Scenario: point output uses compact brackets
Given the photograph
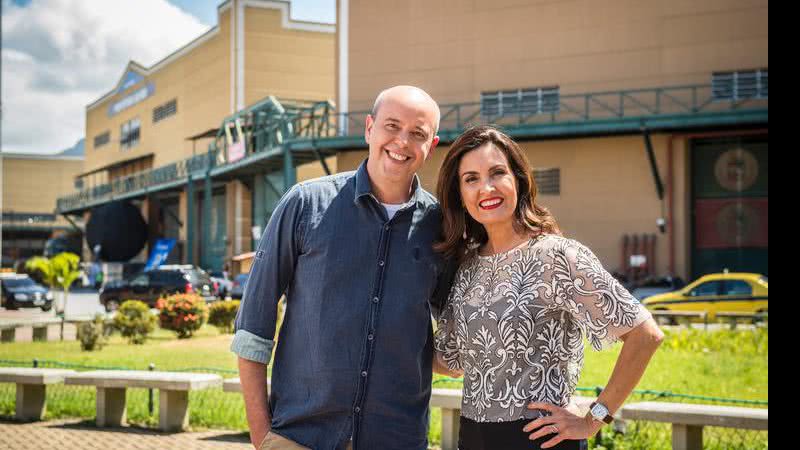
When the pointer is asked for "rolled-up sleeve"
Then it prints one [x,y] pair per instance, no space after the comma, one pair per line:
[270,275]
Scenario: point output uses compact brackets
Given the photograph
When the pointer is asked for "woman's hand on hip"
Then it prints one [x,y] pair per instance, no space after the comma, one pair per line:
[562,423]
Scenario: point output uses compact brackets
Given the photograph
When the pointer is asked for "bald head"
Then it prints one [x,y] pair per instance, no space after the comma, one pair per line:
[411,94]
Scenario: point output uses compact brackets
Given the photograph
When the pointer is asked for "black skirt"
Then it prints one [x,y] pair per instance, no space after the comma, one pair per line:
[506,436]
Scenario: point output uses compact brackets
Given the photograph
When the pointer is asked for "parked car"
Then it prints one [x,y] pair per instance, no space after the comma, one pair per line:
[656,286]
[151,285]
[223,281]
[20,291]
[717,292]
[239,282]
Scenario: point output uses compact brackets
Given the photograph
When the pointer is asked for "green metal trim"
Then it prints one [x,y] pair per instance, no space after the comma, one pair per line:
[190,220]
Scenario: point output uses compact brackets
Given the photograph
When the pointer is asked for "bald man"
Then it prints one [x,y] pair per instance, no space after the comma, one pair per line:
[352,254]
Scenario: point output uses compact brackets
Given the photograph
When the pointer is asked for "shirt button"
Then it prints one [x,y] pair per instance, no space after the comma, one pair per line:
[364,374]
[386,227]
[375,300]
[370,337]
[380,263]
[357,410]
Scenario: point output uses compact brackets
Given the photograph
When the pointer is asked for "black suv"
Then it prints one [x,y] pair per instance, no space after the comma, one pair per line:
[20,291]
[151,285]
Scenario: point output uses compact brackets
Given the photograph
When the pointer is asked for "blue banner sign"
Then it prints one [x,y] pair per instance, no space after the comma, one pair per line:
[132,99]
[159,253]
[130,80]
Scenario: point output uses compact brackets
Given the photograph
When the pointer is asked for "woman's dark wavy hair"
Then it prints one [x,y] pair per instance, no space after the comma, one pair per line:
[528,216]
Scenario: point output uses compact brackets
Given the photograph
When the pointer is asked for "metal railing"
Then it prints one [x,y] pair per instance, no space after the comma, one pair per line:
[270,124]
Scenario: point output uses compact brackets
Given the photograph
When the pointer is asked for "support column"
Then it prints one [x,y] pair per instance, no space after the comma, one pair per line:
[173,410]
[190,215]
[208,205]
[687,437]
[111,407]
[238,199]
[450,428]
[31,402]
[289,171]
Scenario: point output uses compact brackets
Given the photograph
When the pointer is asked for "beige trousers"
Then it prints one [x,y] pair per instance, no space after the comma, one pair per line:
[277,442]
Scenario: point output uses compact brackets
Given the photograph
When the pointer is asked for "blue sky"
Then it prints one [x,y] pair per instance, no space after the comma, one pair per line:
[309,10]
[60,55]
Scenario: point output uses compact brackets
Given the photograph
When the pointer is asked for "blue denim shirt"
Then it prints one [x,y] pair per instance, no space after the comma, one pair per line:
[353,357]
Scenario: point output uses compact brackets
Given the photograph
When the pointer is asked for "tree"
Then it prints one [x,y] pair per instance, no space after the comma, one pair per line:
[60,271]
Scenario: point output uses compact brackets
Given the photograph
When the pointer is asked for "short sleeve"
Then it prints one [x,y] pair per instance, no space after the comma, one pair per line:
[444,340]
[602,307]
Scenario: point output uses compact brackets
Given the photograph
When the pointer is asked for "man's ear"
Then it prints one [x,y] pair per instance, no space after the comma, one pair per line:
[368,127]
[433,146]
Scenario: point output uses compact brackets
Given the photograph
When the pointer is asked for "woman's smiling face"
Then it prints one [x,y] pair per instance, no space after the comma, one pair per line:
[488,186]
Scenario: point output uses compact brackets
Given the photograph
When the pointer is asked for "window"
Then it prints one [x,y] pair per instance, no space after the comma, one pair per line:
[548,181]
[740,85]
[738,287]
[167,109]
[709,288]
[102,139]
[129,134]
[521,101]
[140,280]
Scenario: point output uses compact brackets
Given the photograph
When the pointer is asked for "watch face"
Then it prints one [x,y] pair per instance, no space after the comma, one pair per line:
[599,411]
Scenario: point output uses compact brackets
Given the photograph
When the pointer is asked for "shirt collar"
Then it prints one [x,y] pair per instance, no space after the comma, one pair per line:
[363,186]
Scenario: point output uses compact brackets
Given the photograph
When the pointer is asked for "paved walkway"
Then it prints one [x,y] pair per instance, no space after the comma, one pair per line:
[77,434]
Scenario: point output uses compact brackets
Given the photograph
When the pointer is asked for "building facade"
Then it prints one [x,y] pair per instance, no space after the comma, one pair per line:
[646,122]
[30,186]
[155,137]
[632,112]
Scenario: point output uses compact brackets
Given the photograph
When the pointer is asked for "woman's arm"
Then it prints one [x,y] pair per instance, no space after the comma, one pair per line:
[639,346]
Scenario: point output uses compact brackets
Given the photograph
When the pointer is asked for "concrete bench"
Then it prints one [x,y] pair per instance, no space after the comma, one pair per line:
[685,315]
[8,331]
[734,317]
[234,385]
[31,384]
[688,420]
[173,395]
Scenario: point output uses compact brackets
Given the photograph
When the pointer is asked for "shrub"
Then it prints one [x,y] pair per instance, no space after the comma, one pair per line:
[134,321]
[182,313]
[222,315]
[92,334]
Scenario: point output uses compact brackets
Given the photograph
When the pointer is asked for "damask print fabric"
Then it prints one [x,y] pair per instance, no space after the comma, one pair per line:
[514,323]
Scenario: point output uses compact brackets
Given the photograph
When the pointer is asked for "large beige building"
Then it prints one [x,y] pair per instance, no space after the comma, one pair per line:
[30,186]
[646,121]
[577,83]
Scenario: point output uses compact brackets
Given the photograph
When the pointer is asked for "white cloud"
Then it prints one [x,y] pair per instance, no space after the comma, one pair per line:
[60,55]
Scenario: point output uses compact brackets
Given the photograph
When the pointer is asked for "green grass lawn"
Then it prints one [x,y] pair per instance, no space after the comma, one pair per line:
[719,364]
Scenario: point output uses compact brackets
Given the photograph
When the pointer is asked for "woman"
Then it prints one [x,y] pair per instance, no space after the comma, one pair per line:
[521,302]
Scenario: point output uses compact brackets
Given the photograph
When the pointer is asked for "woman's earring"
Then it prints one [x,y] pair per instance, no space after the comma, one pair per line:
[465,227]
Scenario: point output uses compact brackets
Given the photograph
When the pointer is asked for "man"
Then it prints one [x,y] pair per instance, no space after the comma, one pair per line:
[352,255]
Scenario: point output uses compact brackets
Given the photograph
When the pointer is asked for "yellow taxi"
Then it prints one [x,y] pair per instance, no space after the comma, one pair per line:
[714,293]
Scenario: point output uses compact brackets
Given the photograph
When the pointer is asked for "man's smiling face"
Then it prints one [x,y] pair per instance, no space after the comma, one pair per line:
[401,136]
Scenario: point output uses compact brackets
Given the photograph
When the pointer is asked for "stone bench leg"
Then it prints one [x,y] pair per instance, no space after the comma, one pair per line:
[40,333]
[687,437]
[31,402]
[8,334]
[450,426]
[111,407]
[173,410]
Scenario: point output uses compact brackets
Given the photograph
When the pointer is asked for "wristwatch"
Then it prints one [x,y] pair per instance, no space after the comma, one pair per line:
[600,413]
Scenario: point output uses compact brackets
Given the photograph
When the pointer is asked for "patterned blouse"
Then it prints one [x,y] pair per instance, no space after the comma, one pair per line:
[514,323]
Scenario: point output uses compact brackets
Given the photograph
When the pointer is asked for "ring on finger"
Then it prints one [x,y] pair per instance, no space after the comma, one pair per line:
[554,429]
